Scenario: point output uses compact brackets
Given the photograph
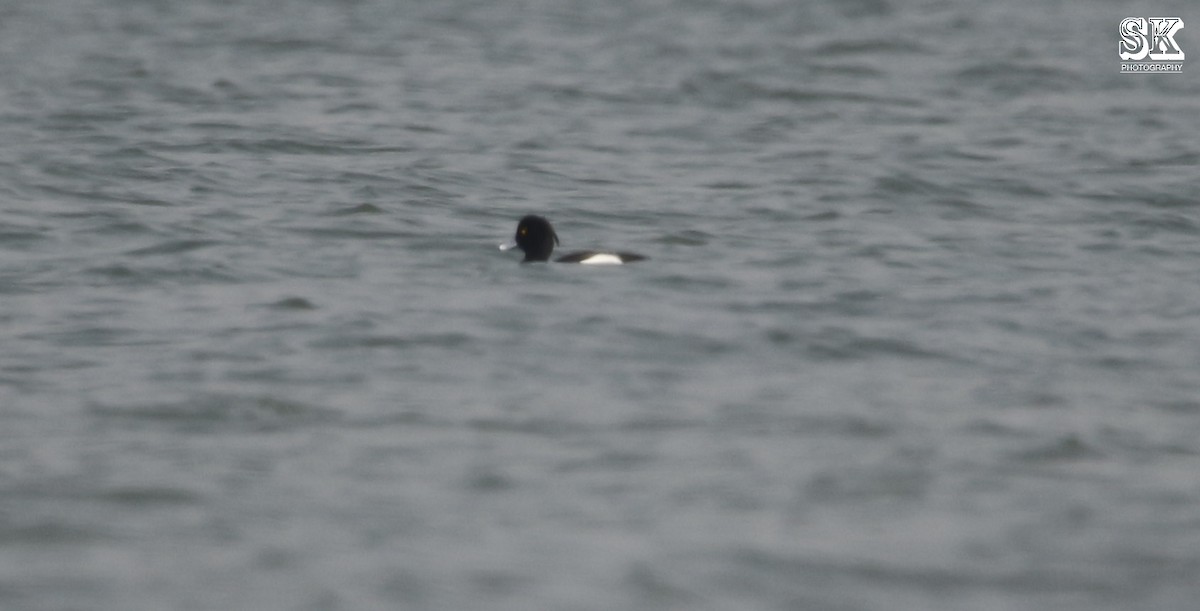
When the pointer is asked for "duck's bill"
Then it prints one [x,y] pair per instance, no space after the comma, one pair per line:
[508,245]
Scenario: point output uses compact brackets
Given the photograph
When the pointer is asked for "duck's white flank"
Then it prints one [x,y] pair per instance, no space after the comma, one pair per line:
[602,259]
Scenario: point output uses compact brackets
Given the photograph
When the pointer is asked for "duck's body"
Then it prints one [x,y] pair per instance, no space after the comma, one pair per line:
[536,238]
[593,257]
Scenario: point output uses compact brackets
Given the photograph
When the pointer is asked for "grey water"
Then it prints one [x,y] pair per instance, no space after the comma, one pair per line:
[919,328]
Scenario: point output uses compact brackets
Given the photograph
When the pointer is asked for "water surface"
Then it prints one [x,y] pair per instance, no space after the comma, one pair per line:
[919,328]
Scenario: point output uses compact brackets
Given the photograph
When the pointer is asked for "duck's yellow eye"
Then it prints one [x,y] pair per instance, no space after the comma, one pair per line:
[523,231]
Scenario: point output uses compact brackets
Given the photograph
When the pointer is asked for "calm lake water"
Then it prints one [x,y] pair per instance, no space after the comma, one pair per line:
[920,328]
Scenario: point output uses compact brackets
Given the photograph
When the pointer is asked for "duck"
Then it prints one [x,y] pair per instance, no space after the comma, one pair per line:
[535,236]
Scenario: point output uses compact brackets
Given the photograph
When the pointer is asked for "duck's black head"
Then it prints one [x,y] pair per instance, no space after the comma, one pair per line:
[536,238]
